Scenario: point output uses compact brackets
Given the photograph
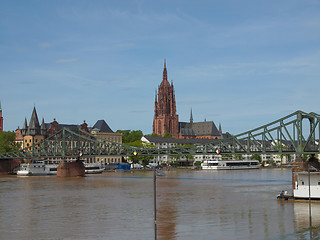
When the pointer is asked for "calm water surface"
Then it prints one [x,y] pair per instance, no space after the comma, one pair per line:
[190,205]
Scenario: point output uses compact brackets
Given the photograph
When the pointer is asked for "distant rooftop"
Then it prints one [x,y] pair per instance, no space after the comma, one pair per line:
[102,126]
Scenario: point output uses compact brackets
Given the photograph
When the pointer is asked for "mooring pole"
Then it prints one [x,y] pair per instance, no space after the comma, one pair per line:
[310,217]
[155,202]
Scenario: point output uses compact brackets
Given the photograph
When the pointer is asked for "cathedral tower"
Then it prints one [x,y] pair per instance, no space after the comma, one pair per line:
[165,117]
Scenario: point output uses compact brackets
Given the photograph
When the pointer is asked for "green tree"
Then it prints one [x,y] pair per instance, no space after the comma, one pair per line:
[167,135]
[7,142]
[256,157]
[130,136]
[144,160]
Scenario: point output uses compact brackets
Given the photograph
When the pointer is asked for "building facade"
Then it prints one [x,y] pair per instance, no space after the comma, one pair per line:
[34,133]
[102,131]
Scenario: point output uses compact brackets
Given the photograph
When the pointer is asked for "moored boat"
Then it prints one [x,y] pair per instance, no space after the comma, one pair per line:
[37,168]
[301,186]
[230,164]
[93,168]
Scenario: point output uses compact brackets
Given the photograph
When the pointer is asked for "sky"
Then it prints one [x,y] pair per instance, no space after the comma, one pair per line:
[242,64]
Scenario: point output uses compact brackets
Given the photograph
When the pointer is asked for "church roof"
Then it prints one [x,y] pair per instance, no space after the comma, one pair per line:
[34,126]
[102,126]
[198,129]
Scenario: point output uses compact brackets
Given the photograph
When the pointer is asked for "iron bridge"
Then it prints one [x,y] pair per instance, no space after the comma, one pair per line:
[297,133]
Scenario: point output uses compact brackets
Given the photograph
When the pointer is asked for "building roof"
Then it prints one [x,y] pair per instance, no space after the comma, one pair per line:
[102,126]
[34,126]
[198,129]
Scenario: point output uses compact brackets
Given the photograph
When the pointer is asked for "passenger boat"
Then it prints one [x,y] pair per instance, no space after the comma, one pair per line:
[37,168]
[92,168]
[230,164]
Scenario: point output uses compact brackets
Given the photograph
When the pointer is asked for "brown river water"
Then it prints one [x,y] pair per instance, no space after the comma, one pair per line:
[191,204]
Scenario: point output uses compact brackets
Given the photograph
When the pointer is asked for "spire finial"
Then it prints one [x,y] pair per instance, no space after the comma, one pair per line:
[165,75]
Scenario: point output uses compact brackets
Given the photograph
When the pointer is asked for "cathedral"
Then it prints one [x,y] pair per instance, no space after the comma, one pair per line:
[166,119]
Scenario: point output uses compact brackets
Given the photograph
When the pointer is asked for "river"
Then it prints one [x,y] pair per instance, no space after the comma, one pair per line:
[191,204]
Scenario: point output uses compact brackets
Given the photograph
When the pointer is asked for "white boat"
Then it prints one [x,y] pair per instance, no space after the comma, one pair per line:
[301,185]
[92,168]
[37,168]
[230,164]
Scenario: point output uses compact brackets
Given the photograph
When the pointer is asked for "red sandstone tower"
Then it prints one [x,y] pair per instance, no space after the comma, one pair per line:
[1,119]
[165,117]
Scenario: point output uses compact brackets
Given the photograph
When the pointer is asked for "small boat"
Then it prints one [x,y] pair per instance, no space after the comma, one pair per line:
[37,168]
[230,164]
[93,168]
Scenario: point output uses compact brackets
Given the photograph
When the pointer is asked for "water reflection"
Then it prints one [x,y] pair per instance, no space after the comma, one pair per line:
[191,205]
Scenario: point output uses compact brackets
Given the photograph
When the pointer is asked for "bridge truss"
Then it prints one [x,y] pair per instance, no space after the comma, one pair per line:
[297,133]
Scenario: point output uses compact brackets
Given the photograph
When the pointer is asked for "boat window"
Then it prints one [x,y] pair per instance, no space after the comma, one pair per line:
[318,183]
[237,163]
[213,164]
[302,183]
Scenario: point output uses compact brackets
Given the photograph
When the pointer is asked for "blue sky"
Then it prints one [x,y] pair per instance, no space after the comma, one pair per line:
[239,63]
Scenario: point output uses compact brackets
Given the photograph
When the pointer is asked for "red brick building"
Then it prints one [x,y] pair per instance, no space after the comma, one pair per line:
[166,120]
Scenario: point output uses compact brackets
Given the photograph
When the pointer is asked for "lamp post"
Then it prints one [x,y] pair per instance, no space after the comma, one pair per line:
[160,173]
[310,217]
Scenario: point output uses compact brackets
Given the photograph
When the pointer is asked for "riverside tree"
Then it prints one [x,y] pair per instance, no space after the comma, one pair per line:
[7,142]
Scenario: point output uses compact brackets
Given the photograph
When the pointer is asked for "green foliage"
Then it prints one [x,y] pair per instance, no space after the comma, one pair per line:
[238,157]
[167,135]
[130,136]
[226,156]
[7,142]
[256,157]
[197,163]
[144,160]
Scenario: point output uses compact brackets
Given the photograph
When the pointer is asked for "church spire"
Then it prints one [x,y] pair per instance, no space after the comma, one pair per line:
[34,126]
[191,117]
[165,75]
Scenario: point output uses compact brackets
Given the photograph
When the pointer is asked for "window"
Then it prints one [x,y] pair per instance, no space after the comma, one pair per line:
[302,183]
